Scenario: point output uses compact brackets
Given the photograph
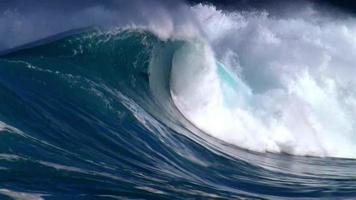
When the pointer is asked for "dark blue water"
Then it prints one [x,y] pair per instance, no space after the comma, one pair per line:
[89,116]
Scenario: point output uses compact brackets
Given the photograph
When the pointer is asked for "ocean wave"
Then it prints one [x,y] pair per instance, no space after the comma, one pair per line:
[204,112]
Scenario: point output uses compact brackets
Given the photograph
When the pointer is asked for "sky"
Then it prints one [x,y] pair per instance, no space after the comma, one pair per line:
[23,21]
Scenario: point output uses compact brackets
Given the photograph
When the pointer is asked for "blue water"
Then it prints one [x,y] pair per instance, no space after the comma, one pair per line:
[89,116]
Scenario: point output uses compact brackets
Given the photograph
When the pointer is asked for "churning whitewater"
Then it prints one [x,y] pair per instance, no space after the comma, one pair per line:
[215,104]
[278,88]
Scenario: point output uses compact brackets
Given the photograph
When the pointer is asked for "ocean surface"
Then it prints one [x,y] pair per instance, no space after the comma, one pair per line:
[127,114]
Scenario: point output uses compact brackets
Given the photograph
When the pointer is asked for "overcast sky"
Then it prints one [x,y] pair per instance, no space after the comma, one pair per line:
[22,21]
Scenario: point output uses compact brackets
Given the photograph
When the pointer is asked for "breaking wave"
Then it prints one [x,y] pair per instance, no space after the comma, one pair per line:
[162,112]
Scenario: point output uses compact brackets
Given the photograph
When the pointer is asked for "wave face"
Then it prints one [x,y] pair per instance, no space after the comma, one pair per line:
[100,114]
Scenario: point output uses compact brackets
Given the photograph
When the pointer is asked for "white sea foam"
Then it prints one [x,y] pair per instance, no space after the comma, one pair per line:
[6,127]
[21,195]
[300,72]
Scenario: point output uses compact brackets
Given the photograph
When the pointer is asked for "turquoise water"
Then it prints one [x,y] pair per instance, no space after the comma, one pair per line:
[236,93]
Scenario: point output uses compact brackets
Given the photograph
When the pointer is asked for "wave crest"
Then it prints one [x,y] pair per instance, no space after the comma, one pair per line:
[293,77]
